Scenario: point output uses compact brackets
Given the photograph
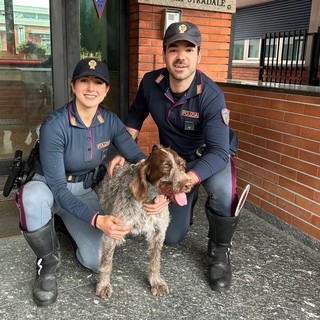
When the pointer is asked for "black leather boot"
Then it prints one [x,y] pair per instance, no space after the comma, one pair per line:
[221,230]
[45,245]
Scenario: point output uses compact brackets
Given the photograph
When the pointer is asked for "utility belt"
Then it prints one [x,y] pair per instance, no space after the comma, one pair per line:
[90,179]
[22,171]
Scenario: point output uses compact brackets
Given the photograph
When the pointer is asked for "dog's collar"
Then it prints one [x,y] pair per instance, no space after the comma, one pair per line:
[133,168]
[129,192]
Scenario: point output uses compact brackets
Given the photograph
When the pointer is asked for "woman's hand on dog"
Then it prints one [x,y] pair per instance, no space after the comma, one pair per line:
[159,203]
[112,227]
[117,160]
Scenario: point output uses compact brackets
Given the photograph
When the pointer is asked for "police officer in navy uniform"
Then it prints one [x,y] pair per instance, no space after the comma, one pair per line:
[74,140]
[190,112]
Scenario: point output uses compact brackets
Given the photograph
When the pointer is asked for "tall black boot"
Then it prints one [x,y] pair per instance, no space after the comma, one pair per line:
[45,245]
[221,230]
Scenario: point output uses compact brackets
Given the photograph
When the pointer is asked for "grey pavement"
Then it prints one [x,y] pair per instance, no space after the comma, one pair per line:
[274,277]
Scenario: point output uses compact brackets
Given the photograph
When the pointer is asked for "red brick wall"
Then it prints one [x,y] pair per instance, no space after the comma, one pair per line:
[279,152]
[145,50]
[251,73]
[245,73]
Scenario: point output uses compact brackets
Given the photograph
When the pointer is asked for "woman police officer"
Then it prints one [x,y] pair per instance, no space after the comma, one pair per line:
[74,140]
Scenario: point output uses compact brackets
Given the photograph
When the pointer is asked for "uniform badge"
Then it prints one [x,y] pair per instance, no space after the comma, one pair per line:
[190,114]
[225,113]
[199,88]
[92,64]
[100,118]
[103,144]
[159,79]
[182,28]
[73,121]
[188,125]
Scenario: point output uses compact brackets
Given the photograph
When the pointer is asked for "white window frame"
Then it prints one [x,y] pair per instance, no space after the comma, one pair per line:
[246,58]
[277,59]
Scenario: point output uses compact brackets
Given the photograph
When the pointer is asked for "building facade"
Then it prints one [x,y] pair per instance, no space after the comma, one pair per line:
[279,43]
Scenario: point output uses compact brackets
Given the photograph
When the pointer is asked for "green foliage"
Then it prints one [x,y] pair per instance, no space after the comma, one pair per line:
[30,47]
[86,54]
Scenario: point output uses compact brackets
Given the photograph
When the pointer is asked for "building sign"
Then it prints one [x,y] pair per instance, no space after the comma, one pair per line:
[207,5]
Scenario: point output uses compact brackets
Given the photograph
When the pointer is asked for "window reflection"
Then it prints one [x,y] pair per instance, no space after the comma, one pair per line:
[105,43]
[25,73]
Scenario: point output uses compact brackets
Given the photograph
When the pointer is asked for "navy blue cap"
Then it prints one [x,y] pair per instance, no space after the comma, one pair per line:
[182,31]
[91,67]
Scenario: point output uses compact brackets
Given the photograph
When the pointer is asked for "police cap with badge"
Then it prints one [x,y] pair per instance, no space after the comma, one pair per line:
[91,67]
[179,31]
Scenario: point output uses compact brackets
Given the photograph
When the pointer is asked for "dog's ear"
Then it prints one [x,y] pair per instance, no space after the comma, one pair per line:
[156,146]
[139,185]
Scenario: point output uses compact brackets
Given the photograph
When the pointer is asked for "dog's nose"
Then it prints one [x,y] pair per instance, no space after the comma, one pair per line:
[187,186]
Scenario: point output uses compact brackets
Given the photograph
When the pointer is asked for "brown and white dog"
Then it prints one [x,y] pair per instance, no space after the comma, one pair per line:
[163,172]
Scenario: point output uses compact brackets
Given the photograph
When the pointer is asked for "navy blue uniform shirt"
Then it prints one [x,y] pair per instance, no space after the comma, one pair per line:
[199,117]
[68,147]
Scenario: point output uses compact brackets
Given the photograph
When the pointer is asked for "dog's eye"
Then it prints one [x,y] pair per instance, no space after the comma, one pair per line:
[181,163]
[167,167]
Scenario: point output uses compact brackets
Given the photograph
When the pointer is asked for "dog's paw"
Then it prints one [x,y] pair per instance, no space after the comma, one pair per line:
[160,289]
[104,291]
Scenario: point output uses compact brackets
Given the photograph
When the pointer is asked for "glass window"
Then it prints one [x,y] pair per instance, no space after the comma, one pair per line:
[271,50]
[293,48]
[254,48]
[25,74]
[238,50]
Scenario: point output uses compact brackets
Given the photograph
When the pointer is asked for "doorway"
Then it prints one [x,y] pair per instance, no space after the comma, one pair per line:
[36,63]
[40,43]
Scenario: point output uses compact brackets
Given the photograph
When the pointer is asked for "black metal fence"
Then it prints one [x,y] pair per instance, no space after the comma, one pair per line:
[290,57]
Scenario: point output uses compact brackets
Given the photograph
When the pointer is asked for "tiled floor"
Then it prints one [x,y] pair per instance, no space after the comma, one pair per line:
[274,277]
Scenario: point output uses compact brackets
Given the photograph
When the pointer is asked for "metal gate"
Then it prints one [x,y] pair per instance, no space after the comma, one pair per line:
[290,57]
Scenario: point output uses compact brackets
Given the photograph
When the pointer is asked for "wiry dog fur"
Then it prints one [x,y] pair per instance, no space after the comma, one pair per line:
[163,172]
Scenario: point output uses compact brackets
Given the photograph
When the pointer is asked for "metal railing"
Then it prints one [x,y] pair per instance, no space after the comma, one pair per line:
[290,57]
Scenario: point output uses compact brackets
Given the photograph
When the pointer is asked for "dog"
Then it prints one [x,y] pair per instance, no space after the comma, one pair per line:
[163,172]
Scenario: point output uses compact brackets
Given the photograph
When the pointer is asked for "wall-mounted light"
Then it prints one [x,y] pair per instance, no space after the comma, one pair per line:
[171,16]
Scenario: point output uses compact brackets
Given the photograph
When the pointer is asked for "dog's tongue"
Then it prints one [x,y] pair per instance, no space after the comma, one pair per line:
[181,199]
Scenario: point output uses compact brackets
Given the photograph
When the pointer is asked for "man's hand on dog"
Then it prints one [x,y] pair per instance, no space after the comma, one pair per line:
[159,203]
[112,227]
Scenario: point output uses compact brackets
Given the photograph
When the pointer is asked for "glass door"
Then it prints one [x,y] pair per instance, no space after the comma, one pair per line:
[25,75]
[36,65]
[103,35]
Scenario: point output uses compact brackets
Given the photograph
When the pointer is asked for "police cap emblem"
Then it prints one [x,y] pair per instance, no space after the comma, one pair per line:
[183,28]
[92,64]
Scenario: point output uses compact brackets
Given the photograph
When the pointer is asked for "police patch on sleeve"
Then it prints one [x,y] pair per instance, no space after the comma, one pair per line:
[225,113]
